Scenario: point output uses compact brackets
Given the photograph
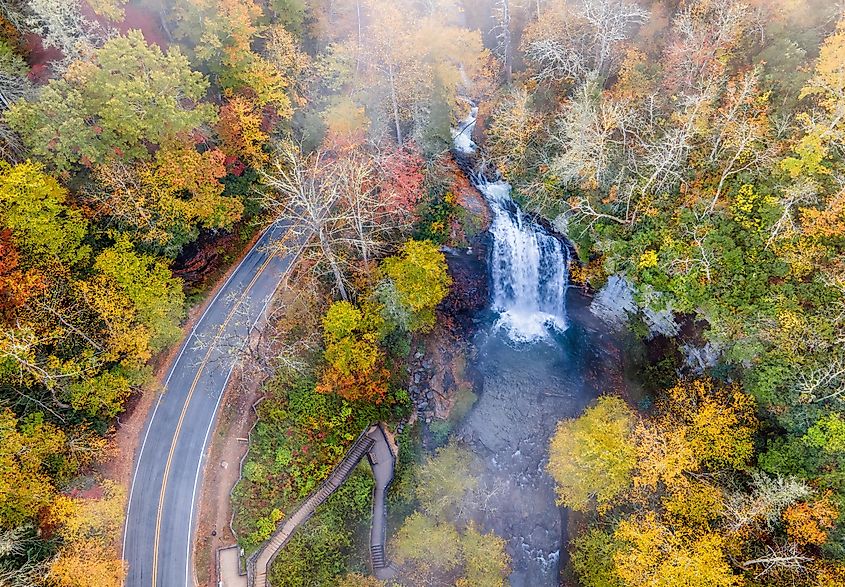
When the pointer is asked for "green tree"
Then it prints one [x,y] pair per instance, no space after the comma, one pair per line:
[486,562]
[359,580]
[427,550]
[128,97]
[33,205]
[593,457]
[25,485]
[421,280]
[444,481]
[139,301]
[592,559]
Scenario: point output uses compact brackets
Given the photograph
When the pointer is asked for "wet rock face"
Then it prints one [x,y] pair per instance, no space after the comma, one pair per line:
[525,391]
[469,292]
[614,303]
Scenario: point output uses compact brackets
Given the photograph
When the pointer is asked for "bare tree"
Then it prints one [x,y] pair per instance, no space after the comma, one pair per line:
[577,38]
[334,207]
[61,24]
[765,502]
[369,211]
[780,557]
[590,136]
[704,32]
[611,22]
[823,382]
[502,30]
[303,191]
[742,139]
[793,195]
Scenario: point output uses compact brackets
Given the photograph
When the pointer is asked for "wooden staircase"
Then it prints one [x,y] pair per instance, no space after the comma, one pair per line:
[259,563]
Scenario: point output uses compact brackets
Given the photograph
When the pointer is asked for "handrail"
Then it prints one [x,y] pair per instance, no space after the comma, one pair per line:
[259,563]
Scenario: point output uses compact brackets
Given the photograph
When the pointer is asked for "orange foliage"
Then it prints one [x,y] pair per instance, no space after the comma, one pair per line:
[827,222]
[401,180]
[16,285]
[239,129]
[809,523]
[368,386]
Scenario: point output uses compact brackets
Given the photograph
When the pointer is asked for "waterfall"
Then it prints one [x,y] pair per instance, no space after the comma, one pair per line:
[528,265]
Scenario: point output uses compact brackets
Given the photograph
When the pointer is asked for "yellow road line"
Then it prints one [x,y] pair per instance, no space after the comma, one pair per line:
[203,363]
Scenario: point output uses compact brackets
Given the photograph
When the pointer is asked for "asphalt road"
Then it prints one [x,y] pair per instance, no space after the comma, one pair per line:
[160,521]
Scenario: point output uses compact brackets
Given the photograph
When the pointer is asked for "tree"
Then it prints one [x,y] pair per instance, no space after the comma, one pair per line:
[62,25]
[128,97]
[591,458]
[137,299]
[221,31]
[355,360]
[444,481]
[762,506]
[33,207]
[591,131]
[25,448]
[359,580]
[426,549]
[303,191]
[435,553]
[351,343]
[513,135]
[239,129]
[503,34]
[163,204]
[486,562]
[421,281]
[592,559]
[413,61]
[704,35]
[400,182]
[573,40]
[17,285]
[650,554]
[809,523]
[87,561]
[721,421]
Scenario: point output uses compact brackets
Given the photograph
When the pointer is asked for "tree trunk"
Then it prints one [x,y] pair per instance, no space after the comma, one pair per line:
[358,53]
[395,101]
[338,276]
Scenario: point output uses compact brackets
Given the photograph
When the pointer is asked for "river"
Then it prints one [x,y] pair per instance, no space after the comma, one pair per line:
[541,356]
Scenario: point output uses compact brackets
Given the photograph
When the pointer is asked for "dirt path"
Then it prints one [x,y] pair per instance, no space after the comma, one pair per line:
[222,471]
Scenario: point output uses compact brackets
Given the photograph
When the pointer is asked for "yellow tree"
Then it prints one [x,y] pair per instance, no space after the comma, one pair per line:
[699,425]
[90,529]
[421,280]
[591,458]
[25,447]
[652,555]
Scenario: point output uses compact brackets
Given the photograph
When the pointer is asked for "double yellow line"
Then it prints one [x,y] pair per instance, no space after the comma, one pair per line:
[202,366]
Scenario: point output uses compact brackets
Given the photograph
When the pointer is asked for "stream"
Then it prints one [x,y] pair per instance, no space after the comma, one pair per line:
[541,356]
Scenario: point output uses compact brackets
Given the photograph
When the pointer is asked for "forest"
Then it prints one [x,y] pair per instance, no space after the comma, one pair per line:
[693,148]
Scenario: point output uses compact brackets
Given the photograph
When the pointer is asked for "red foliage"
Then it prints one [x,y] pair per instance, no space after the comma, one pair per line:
[16,285]
[38,58]
[234,166]
[135,18]
[402,180]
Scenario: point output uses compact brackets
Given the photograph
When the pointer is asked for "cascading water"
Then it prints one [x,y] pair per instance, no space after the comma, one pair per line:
[528,265]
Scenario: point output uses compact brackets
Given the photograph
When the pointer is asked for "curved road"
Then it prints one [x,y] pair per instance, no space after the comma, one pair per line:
[158,537]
